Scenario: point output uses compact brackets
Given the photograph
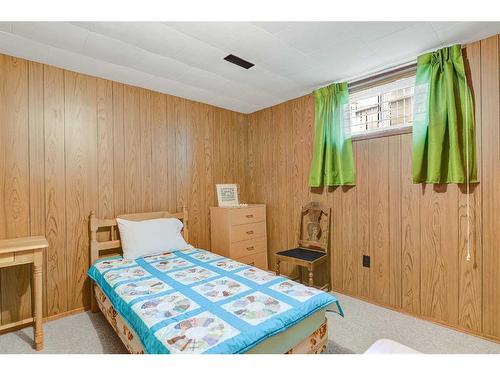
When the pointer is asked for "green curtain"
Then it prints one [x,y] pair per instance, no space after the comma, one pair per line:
[332,161]
[443,120]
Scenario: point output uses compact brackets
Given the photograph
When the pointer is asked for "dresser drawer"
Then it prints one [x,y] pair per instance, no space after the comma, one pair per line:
[256,260]
[247,215]
[247,231]
[248,247]
[6,258]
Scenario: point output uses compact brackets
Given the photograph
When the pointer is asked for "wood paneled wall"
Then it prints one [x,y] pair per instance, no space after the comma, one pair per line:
[416,235]
[71,143]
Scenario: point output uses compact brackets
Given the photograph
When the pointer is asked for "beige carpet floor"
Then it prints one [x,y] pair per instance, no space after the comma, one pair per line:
[362,325]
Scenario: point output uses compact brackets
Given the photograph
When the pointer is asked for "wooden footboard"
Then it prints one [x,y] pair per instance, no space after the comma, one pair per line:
[314,344]
[126,334]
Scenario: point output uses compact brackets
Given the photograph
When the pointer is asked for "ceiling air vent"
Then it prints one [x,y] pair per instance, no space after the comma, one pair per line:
[238,61]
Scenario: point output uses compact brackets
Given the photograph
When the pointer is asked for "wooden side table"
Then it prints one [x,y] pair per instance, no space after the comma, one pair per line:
[27,250]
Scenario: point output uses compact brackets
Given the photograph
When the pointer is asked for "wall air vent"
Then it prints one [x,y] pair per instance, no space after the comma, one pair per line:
[238,61]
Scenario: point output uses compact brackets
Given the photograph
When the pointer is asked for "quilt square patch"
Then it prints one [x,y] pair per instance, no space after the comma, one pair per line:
[257,275]
[171,264]
[113,277]
[114,263]
[192,275]
[136,289]
[295,290]
[163,256]
[256,307]
[220,289]
[228,264]
[196,335]
[161,308]
[189,250]
[205,256]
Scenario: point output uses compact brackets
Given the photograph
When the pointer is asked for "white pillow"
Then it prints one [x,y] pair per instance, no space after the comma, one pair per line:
[150,237]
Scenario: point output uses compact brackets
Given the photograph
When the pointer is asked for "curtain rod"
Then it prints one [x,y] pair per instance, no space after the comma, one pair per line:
[382,74]
[360,80]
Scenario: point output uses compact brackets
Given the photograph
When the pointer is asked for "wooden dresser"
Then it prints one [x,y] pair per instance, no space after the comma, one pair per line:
[239,233]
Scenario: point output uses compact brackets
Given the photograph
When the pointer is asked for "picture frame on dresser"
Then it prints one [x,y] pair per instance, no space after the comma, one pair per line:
[227,195]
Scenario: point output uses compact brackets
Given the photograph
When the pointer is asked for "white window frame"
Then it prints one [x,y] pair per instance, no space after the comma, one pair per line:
[378,90]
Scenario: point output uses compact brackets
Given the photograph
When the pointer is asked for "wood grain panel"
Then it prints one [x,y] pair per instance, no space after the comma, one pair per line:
[335,200]
[439,261]
[146,151]
[81,180]
[379,219]
[105,152]
[133,141]
[180,121]
[55,190]
[15,285]
[171,153]
[394,197]
[206,167]
[281,121]
[118,150]
[490,181]
[195,137]
[159,152]
[295,169]
[469,229]
[363,215]
[37,161]
[410,232]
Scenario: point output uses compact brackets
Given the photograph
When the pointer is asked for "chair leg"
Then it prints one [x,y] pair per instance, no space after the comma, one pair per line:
[311,277]
[277,267]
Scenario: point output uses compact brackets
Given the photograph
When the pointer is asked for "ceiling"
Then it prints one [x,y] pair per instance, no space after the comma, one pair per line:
[186,58]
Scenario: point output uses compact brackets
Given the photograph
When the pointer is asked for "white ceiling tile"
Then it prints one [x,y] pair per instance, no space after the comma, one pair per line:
[112,50]
[370,31]
[274,27]
[186,58]
[407,43]
[57,34]
[220,34]
[443,25]
[464,32]
[151,36]
[311,36]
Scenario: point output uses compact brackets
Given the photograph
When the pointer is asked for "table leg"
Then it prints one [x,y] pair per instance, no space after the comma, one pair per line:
[277,267]
[38,311]
[311,277]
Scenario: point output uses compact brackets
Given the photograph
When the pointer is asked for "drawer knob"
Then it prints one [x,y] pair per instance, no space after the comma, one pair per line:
[249,216]
[250,248]
[249,231]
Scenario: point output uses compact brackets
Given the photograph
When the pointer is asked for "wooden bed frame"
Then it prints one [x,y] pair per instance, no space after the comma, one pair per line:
[102,249]
[102,228]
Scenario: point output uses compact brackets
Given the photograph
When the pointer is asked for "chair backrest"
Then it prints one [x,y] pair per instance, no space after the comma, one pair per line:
[315,227]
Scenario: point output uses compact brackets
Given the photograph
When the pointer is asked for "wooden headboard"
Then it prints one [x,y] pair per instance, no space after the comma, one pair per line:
[97,248]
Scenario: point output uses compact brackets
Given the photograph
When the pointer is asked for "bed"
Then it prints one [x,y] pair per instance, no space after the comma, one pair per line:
[193,301]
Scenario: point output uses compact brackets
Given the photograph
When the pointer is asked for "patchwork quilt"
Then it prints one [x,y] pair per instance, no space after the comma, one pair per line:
[194,301]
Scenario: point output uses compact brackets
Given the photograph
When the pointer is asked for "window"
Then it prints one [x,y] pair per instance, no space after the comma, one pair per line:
[385,106]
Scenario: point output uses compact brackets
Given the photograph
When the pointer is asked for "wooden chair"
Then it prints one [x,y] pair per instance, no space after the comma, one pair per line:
[314,244]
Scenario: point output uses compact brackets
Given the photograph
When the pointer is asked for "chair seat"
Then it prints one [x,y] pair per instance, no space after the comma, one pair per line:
[302,254]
